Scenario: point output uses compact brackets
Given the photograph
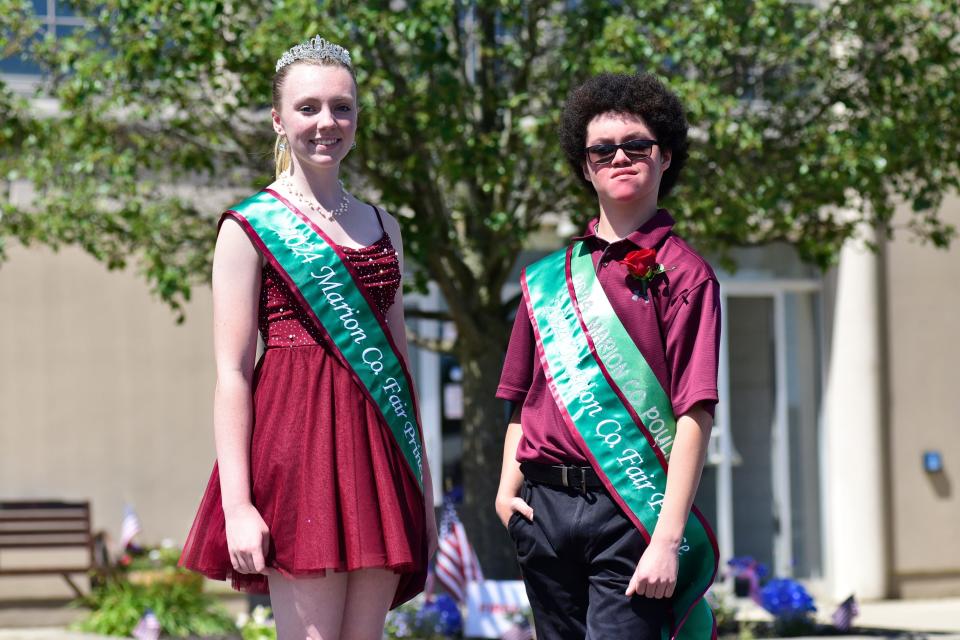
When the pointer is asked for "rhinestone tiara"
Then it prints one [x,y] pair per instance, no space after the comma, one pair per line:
[315,49]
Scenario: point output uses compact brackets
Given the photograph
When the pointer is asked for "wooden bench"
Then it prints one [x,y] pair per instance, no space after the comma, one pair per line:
[49,524]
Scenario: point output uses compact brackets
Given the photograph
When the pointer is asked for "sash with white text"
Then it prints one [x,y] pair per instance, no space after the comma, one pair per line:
[619,413]
[320,276]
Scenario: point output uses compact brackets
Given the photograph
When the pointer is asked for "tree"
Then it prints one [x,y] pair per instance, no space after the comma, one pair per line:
[807,122]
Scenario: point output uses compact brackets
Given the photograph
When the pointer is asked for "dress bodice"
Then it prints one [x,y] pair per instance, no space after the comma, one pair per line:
[284,323]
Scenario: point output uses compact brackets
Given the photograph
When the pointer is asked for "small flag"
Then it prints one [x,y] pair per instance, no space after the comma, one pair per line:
[456,563]
[845,613]
[148,628]
[520,631]
[129,528]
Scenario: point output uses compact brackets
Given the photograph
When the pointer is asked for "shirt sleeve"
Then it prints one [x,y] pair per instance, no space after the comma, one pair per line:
[517,373]
[693,347]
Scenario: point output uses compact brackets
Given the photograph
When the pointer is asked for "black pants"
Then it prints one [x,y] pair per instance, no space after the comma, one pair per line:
[577,558]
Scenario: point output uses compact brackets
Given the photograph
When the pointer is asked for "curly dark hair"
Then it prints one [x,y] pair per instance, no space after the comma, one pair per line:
[638,94]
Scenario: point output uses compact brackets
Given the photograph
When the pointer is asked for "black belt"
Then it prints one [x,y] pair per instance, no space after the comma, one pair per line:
[559,475]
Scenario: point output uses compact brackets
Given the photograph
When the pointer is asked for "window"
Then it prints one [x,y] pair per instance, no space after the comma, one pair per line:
[57,19]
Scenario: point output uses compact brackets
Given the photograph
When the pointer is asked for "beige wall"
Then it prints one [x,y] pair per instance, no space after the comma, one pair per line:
[923,319]
[102,397]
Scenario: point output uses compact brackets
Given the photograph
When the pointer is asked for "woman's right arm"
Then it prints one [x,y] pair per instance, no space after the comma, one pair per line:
[236,291]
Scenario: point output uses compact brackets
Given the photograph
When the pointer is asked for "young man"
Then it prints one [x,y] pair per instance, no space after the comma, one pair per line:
[612,365]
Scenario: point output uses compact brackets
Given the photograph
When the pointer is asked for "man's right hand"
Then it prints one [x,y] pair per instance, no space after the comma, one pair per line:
[248,539]
[508,499]
[508,505]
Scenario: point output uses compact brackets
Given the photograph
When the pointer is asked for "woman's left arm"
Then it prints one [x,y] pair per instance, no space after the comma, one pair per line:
[656,573]
[397,325]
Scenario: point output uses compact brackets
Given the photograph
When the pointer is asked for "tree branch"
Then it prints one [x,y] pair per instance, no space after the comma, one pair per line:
[431,344]
[423,314]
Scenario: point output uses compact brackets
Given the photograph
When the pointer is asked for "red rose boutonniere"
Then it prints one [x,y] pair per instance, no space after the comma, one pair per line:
[642,264]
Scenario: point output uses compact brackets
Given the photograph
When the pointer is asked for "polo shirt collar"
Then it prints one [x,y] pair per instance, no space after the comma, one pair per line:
[650,234]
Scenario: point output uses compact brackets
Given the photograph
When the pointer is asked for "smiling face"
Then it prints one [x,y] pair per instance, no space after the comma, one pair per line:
[623,179]
[317,112]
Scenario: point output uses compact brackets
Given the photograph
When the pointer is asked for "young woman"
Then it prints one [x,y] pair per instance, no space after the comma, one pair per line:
[321,491]
[612,365]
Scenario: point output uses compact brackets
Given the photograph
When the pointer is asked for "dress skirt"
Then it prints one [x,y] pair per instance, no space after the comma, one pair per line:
[327,478]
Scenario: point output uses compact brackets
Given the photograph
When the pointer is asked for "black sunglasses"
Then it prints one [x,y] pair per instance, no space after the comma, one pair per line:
[635,150]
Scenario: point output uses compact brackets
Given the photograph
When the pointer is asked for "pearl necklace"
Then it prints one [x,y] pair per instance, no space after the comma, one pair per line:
[315,205]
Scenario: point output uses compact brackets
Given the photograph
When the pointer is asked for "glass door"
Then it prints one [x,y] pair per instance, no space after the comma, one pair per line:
[761,486]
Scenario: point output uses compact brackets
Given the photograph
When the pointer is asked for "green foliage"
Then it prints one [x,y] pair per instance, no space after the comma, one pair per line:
[181,609]
[257,626]
[724,611]
[808,120]
[803,625]
[150,559]
[798,110]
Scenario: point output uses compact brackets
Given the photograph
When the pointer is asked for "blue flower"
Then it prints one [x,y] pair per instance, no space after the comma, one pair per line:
[443,615]
[786,599]
[745,567]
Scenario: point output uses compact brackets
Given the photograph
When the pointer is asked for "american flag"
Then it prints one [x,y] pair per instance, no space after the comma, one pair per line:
[129,528]
[520,631]
[845,613]
[456,563]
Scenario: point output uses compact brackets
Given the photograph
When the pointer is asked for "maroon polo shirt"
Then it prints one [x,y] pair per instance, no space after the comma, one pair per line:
[677,329]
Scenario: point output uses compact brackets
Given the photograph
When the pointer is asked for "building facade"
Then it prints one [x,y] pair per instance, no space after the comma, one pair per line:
[834,458]
[836,391]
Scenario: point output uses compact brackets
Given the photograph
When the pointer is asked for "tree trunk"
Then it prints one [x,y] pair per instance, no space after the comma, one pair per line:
[484,426]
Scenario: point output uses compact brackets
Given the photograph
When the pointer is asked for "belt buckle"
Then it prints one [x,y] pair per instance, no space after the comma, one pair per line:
[565,478]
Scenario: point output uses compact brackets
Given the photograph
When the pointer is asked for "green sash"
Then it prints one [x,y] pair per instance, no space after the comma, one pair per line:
[619,413]
[320,277]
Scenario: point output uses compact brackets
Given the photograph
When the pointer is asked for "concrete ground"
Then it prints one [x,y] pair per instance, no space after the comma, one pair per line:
[936,619]
[45,633]
[916,615]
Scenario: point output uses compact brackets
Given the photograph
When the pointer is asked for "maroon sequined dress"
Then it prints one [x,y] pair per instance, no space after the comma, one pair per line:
[326,475]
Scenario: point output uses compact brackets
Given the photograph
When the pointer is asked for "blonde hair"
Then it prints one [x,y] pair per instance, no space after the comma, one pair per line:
[281,157]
